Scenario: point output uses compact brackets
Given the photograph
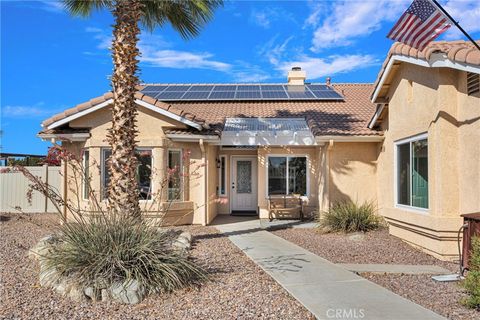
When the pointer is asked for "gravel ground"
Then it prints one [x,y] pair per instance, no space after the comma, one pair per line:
[442,298]
[380,247]
[238,290]
[375,247]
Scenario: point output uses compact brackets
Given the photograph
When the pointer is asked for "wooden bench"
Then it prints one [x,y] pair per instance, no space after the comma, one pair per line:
[285,207]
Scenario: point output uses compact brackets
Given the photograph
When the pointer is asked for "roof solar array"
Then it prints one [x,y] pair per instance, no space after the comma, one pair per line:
[241,92]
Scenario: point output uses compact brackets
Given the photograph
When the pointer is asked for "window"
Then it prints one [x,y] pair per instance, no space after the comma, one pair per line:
[412,173]
[222,177]
[86,173]
[106,153]
[287,175]
[143,173]
[175,175]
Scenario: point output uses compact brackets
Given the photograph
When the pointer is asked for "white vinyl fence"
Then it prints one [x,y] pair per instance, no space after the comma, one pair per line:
[14,187]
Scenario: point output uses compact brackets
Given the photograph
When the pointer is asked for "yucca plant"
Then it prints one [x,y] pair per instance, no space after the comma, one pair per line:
[101,251]
[472,280]
[349,216]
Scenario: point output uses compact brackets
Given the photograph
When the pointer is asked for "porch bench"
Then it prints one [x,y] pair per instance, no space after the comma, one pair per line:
[285,207]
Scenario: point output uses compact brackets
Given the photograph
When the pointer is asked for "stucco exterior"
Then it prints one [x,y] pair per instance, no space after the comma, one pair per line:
[434,102]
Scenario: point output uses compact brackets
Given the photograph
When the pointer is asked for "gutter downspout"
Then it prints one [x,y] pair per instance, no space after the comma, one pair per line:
[204,156]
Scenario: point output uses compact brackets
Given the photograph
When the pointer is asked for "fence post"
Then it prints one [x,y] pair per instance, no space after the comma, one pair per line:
[45,170]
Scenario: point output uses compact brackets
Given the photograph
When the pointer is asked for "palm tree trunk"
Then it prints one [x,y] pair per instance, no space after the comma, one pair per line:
[123,195]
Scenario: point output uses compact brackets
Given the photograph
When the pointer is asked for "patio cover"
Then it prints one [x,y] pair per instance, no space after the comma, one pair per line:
[266,132]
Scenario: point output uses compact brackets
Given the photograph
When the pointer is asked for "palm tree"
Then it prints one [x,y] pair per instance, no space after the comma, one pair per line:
[185,16]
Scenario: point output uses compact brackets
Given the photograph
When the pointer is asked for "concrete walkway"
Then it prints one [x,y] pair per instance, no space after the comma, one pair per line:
[395,268]
[325,289]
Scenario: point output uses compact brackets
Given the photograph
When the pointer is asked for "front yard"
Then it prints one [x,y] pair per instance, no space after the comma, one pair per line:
[238,290]
[378,247]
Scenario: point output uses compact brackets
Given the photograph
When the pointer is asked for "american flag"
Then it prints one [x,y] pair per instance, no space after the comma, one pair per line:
[419,25]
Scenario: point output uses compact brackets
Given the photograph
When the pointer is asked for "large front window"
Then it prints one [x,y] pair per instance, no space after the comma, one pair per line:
[143,172]
[175,175]
[287,175]
[412,173]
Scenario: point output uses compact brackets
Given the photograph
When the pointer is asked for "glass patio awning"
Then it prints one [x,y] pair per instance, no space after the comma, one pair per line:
[266,132]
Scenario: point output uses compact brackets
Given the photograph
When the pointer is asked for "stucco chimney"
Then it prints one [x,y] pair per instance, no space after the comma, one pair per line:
[296,76]
[328,81]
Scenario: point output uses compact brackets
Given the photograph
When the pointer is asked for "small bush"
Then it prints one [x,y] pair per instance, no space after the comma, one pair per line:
[101,251]
[349,216]
[472,280]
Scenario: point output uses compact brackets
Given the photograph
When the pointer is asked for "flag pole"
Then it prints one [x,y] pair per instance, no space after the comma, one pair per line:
[455,23]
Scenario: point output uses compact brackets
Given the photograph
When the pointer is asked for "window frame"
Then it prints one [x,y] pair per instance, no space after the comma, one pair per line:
[182,179]
[103,170]
[396,144]
[86,168]
[307,158]
[225,192]
[152,190]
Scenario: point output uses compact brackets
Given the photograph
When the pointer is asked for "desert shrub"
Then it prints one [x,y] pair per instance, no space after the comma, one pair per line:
[472,280]
[101,251]
[349,216]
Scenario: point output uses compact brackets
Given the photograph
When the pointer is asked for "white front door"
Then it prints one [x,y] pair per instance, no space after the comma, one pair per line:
[244,184]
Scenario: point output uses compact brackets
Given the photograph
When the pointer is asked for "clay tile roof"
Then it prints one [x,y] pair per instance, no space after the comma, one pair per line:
[456,51]
[347,117]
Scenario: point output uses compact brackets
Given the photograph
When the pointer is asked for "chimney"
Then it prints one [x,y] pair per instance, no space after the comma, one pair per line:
[329,81]
[296,76]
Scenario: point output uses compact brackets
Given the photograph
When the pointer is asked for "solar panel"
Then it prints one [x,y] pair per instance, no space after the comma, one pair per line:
[274,95]
[154,88]
[327,94]
[248,88]
[318,87]
[221,95]
[248,95]
[196,95]
[272,87]
[225,88]
[301,95]
[169,95]
[177,88]
[201,88]
[205,92]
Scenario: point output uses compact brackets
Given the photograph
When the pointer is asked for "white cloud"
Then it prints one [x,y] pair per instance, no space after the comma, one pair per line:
[351,19]
[34,111]
[103,37]
[245,72]
[265,17]
[52,6]
[319,67]
[181,59]
[467,12]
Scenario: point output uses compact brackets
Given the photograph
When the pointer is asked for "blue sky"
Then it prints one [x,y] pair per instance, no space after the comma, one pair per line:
[51,61]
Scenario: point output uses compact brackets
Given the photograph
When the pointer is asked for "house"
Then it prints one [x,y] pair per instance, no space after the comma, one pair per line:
[409,142]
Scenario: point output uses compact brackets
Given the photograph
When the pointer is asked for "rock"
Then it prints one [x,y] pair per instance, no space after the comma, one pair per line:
[77,294]
[130,292]
[183,242]
[186,235]
[105,295]
[357,236]
[49,277]
[92,293]
[42,247]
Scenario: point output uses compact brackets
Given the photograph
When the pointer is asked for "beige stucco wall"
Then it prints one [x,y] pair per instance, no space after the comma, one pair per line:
[432,101]
[193,206]
[352,172]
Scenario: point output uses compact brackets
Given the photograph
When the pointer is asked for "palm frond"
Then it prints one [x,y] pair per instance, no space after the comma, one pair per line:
[185,16]
[84,8]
